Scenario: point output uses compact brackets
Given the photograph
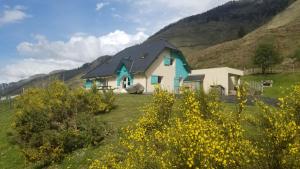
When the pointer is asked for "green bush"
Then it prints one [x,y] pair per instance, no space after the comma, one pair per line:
[200,133]
[54,121]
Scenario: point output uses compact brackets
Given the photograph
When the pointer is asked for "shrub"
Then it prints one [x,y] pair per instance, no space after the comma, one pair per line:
[282,129]
[266,55]
[56,120]
[190,139]
[94,102]
[203,135]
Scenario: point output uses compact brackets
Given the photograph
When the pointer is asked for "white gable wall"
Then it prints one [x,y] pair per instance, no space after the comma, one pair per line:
[159,69]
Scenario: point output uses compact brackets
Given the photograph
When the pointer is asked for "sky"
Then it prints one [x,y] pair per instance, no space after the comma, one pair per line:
[40,36]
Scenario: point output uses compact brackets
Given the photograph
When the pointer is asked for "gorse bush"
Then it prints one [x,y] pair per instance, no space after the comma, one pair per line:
[198,133]
[56,120]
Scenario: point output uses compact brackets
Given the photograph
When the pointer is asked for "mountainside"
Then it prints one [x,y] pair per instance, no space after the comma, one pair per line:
[70,77]
[230,21]
[283,30]
[224,36]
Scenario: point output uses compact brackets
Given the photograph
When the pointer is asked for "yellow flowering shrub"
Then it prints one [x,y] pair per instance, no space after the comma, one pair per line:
[53,121]
[198,133]
[190,139]
[282,130]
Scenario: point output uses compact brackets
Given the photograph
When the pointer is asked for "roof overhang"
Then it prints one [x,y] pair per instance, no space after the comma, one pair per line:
[194,78]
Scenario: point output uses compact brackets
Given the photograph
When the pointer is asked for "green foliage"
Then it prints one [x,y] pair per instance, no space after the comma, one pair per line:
[203,135]
[282,129]
[265,56]
[190,139]
[241,32]
[296,55]
[93,101]
[56,120]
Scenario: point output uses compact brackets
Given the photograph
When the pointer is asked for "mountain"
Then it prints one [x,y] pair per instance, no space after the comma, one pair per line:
[224,36]
[227,22]
[70,77]
[283,30]
[196,35]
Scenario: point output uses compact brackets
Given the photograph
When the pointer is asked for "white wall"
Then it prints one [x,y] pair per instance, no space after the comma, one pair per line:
[159,69]
[217,76]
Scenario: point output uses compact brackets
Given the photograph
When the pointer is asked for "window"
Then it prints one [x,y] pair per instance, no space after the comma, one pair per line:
[88,84]
[168,61]
[159,79]
[156,79]
[125,82]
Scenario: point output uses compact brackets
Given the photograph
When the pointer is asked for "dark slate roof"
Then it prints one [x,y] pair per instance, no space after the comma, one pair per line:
[137,59]
[194,78]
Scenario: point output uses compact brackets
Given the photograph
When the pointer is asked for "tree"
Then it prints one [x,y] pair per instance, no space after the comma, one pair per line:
[265,56]
[241,32]
[295,58]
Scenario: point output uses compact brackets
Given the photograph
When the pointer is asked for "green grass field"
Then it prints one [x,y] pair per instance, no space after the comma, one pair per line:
[281,82]
[126,112]
[10,155]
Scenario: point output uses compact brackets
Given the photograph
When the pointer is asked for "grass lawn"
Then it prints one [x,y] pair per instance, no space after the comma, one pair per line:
[281,82]
[126,111]
[10,155]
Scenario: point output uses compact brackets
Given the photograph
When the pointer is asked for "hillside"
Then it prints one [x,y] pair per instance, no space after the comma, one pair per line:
[283,30]
[207,40]
[71,77]
[227,22]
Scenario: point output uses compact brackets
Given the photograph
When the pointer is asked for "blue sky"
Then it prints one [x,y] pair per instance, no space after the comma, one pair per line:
[39,36]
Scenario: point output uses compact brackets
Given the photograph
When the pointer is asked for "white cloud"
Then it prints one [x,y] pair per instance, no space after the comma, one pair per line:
[44,56]
[12,15]
[29,66]
[100,5]
[155,14]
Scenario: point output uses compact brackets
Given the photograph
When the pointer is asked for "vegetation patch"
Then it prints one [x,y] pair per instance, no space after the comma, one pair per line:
[54,121]
[200,133]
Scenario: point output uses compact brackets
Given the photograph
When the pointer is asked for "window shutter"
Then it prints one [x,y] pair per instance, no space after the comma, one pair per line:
[154,79]
[167,61]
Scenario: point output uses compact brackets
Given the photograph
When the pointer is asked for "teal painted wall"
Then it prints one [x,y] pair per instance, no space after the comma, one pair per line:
[123,72]
[181,69]
[88,84]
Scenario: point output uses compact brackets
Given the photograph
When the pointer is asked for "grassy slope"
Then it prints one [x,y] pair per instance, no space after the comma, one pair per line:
[10,156]
[283,30]
[126,112]
[281,81]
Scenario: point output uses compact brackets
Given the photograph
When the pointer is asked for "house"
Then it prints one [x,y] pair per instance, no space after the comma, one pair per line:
[158,62]
[150,64]
[224,79]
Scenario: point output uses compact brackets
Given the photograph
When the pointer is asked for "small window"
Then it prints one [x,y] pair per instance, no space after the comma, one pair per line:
[156,79]
[168,61]
[88,84]
[159,79]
